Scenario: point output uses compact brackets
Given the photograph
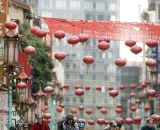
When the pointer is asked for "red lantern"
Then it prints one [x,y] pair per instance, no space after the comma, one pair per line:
[113,93]
[21,85]
[151,43]
[89,111]
[41,33]
[133,108]
[122,87]
[34,29]
[119,119]
[155,117]
[137,119]
[130,43]
[143,85]
[88,59]
[151,92]
[87,87]
[128,121]
[47,115]
[59,34]
[132,86]
[98,88]
[73,110]
[120,62]
[29,50]
[77,87]
[136,49]
[103,39]
[103,111]
[119,105]
[60,56]
[83,38]
[151,62]
[61,105]
[147,108]
[110,87]
[10,25]
[79,92]
[106,122]
[118,110]
[73,40]
[48,89]
[59,109]
[103,45]
[91,122]
[66,86]
[81,107]
[138,101]
[100,121]
[99,106]
[132,94]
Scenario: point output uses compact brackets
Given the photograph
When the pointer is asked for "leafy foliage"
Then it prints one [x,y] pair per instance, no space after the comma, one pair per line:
[42,66]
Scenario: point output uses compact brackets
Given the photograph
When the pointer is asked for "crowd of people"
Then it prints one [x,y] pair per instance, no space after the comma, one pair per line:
[68,123]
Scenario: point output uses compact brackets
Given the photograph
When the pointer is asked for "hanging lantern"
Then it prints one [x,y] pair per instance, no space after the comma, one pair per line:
[151,62]
[91,122]
[113,93]
[118,110]
[81,107]
[138,101]
[59,109]
[29,50]
[103,111]
[133,108]
[103,46]
[132,94]
[89,111]
[48,89]
[103,38]
[61,105]
[128,121]
[47,116]
[132,86]
[130,43]
[34,29]
[119,119]
[77,87]
[110,87]
[10,25]
[122,87]
[137,119]
[65,86]
[73,40]
[148,82]
[136,49]
[143,85]
[151,43]
[151,92]
[83,38]
[79,92]
[147,108]
[98,88]
[60,56]
[87,87]
[106,122]
[41,33]
[120,62]
[88,60]
[73,110]
[59,34]
[155,117]
[98,106]
[100,121]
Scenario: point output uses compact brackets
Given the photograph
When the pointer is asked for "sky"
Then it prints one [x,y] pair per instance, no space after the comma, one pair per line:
[130,12]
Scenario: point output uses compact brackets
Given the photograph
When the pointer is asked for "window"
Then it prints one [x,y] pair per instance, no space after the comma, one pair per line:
[112,6]
[67,76]
[90,17]
[100,6]
[60,4]
[100,17]
[88,5]
[158,11]
[74,99]
[74,5]
[93,77]
[67,65]
[47,3]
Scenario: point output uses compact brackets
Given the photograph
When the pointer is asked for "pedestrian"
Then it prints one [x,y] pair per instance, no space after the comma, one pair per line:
[69,123]
[119,126]
[12,128]
[60,123]
[112,126]
[81,124]
[149,125]
[39,125]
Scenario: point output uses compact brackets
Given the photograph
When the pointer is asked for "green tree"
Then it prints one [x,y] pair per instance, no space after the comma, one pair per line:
[42,67]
